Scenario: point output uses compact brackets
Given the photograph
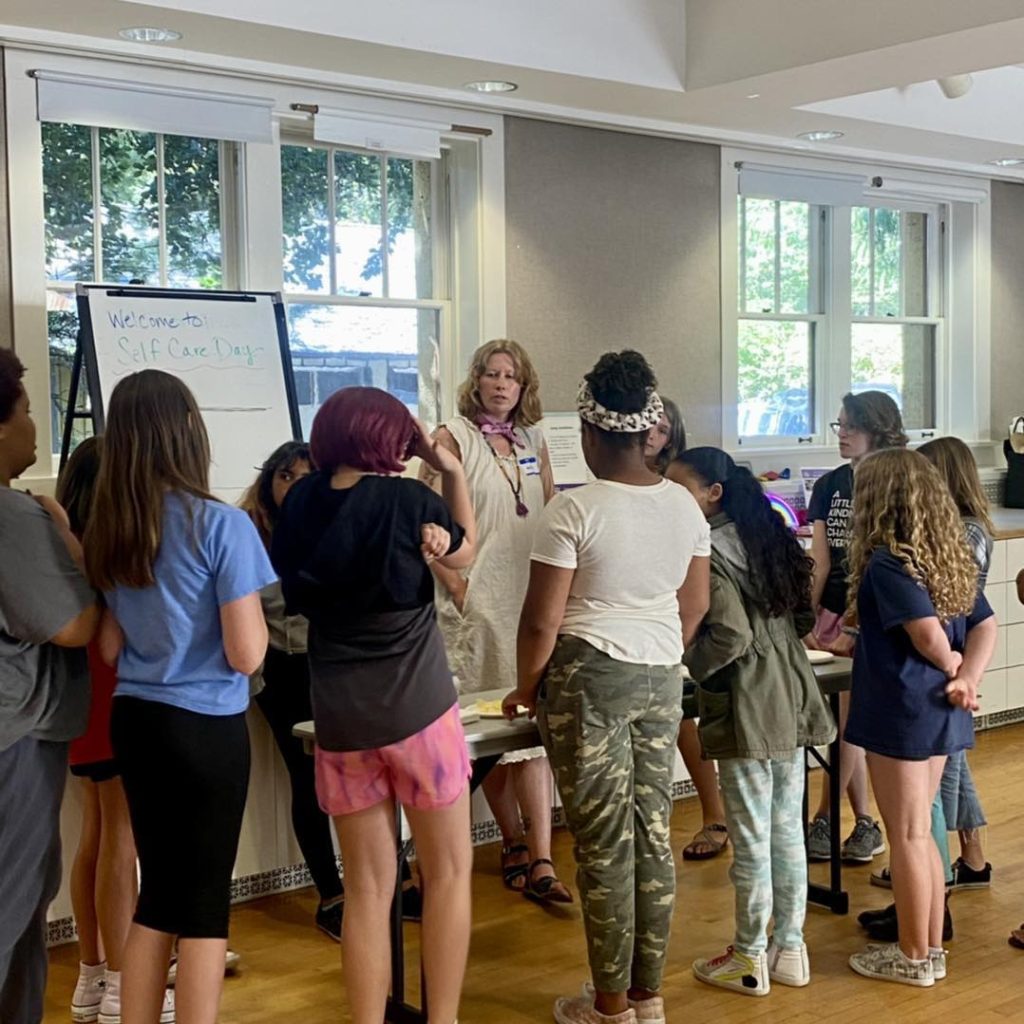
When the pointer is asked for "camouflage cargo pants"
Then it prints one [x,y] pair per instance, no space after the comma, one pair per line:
[610,731]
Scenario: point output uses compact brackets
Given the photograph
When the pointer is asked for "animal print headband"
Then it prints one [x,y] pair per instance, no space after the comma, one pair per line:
[592,411]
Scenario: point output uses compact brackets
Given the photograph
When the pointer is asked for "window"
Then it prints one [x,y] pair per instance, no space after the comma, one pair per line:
[361,275]
[780,307]
[892,338]
[124,206]
[830,297]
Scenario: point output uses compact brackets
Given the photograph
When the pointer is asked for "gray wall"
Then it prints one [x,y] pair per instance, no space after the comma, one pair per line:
[6,305]
[613,242]
[1007,305]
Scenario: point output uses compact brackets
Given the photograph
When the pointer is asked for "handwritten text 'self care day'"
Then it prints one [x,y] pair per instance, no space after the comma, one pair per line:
[216,351]
[145,351]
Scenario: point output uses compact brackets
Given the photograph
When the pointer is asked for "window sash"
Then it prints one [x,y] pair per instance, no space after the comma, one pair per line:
[831,261]
[438,211]
[227,202]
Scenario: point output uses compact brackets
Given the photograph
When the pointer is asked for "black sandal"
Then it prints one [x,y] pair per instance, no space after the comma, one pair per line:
[548,889]
[511,873]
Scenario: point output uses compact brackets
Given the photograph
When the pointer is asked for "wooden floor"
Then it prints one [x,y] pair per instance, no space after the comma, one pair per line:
[523,956]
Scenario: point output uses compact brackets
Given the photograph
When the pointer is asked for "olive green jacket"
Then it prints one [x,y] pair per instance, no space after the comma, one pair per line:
[756,691]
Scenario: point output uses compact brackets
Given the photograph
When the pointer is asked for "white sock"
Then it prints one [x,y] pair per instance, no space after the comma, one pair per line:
[91,970]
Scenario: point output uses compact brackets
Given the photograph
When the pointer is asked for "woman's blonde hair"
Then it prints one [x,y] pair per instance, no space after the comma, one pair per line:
[956,465]
[901,504]
[155,442]
[527,411]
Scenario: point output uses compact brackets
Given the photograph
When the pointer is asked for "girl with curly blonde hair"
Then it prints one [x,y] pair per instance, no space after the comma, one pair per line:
[926,636]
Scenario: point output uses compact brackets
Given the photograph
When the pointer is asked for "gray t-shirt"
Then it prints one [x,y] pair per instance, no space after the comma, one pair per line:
[44,689]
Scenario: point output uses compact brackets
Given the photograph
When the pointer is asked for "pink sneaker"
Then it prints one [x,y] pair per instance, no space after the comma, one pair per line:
[581,1010]
[650,1011]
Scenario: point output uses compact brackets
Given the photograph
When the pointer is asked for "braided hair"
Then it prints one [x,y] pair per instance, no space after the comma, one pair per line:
[622,382]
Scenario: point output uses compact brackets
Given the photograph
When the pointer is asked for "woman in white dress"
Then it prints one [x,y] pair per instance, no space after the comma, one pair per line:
[509,476]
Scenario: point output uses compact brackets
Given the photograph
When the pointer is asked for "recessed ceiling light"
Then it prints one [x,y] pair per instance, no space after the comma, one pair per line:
[492,86]
[148,34]
[820,136]
[753,95]
[1008,161]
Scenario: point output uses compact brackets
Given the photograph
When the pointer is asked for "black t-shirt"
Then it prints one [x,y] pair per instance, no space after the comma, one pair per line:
[832,504]
[357,550]
[350,561]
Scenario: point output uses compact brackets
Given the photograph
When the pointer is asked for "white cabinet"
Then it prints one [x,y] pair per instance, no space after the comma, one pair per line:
[997,567]
[1003,685]
[993,692]
[1015,687]
[996,595]
[999,658]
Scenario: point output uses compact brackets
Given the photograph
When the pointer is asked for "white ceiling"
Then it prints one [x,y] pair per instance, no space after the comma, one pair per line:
[659,65]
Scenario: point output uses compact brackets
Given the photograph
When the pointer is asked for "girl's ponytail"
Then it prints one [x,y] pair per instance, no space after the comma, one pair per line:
[779,567]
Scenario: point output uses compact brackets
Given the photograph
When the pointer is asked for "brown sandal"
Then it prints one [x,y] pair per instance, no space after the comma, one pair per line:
[1016,938]
[548,888]
[705,837]
[512,873]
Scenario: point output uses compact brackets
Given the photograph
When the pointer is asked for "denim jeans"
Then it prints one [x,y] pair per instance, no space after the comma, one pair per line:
[960,801]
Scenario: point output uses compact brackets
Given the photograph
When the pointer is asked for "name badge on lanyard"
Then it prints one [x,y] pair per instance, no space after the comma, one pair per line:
[529,465]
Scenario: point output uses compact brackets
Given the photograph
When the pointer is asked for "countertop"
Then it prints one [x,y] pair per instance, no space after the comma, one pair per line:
[1009,522]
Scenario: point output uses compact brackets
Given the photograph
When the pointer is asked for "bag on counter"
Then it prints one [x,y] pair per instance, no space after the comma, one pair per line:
[1013,448]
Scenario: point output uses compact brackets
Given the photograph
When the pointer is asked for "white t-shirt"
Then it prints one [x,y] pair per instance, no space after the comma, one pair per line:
[631,549]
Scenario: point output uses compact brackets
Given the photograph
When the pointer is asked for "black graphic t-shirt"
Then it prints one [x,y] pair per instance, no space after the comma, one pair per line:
[832,504]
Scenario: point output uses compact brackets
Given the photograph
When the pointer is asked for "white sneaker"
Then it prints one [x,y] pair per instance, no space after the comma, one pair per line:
[231,962]
[110,1008]
[789,966]
[888,963]
[735,971]
[650,1011]
[85,1003]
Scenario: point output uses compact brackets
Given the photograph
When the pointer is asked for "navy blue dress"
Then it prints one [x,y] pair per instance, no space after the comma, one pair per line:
[898,704]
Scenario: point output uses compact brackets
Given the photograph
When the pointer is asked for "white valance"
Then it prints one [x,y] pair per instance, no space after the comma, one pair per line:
[140,106]
[822,188]
[401,137]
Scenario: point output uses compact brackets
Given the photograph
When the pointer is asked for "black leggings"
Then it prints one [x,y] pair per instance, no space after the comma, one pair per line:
[185,776]
[285,701]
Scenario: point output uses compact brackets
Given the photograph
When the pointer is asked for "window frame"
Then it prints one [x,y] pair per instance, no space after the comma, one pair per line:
[252,232]
[957,305]
[441,269]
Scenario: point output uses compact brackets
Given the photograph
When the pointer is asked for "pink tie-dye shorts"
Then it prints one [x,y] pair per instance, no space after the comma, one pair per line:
[427,771]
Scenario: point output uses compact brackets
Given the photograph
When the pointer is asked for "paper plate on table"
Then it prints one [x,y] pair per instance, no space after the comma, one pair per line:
[819,657]
[492,709]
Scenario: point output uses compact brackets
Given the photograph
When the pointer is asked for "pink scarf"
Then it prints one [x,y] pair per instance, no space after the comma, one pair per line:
[504,429]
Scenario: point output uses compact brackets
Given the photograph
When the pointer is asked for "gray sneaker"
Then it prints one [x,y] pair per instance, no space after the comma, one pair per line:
[887,963]
[819,840]
[864,842]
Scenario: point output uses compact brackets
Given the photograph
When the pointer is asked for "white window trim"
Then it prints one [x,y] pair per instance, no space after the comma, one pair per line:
[963,339]
[477,181]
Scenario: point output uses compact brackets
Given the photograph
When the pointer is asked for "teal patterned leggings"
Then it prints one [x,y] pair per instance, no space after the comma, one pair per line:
[764,812]
[610,731]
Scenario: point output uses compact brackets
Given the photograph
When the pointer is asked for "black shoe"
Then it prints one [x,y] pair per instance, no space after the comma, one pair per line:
[412,903]
[887,929]
[328,919]
[870,917]
[965,877]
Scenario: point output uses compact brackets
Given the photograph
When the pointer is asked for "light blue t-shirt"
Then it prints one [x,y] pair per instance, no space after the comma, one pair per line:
[174,647]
